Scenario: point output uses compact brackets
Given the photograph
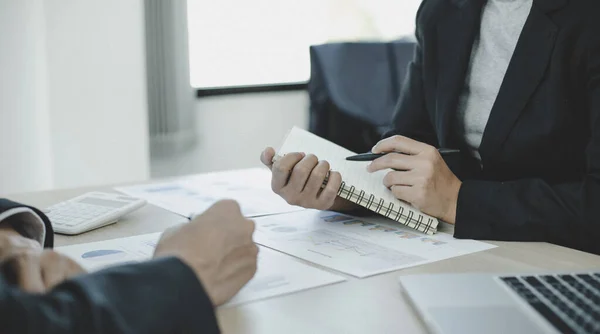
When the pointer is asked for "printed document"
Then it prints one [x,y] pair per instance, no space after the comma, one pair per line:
[277,273]
[192,195]
[359,247]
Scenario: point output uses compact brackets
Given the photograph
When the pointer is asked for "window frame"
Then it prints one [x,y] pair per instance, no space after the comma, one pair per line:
[233,90]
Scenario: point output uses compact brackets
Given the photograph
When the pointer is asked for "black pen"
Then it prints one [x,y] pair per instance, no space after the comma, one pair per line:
[372,156]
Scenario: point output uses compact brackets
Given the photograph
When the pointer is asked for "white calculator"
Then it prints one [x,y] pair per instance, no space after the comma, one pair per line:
[90,211]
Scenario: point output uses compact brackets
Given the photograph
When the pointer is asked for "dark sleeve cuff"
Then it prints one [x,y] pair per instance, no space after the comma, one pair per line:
[471,221]
[193,306]
[493,211]
[158,296]
[183,298]
[28,221]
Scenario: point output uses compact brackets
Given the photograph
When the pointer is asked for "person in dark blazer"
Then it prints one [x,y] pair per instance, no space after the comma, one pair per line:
[176,292]
[513,84]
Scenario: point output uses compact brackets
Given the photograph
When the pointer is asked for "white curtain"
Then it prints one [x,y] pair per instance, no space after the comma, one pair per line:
[171,98]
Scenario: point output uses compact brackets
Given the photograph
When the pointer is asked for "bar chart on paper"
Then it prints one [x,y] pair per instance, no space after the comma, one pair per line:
[359,247]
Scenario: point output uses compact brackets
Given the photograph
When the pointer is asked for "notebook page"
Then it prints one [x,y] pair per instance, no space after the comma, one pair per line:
[354,173]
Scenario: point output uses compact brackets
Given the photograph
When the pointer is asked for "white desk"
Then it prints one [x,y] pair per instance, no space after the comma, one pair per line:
[371,305]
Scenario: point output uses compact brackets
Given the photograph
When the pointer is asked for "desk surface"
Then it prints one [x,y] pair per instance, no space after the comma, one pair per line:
[370,305]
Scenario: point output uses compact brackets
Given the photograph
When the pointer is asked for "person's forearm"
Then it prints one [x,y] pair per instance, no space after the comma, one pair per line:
[530,210]
[160,296]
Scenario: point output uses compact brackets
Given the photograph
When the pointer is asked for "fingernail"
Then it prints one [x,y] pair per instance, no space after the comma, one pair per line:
[369,168]
[303,154]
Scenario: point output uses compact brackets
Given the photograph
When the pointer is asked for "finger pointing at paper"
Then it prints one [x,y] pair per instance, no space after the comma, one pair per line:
[420,177]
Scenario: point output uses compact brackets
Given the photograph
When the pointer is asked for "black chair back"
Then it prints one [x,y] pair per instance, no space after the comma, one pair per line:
[354,88]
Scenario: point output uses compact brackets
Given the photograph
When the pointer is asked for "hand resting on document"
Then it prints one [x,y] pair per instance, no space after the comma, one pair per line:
[217,245]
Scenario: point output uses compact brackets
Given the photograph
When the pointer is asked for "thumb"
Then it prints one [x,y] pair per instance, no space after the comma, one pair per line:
[267,156]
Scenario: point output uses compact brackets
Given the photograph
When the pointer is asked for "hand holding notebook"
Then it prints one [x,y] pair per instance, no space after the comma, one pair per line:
[359,186]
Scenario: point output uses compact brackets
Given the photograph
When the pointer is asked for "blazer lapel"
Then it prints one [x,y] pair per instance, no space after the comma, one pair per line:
[527,67]
[456,33]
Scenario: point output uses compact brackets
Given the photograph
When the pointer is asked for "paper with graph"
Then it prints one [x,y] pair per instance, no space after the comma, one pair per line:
[357,246]
[359,186]
[277,273]
[192,195]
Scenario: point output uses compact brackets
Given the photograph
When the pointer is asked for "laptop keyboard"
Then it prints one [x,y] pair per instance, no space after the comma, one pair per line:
[571,303]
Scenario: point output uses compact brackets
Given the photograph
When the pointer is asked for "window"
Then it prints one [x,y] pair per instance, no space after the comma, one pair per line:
[236,43]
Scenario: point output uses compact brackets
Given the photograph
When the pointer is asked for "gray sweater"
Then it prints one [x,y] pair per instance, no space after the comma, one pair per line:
[501,24]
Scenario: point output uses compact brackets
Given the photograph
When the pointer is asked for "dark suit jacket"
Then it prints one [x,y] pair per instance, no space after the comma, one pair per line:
[540,179]
[159,296]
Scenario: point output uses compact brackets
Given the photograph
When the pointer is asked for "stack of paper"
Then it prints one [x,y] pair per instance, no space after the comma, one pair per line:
[356,246]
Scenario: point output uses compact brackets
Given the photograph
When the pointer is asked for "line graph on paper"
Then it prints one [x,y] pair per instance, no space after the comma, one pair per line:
[350,254]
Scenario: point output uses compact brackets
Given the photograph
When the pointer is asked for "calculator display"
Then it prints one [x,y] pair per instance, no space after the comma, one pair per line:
[102,202]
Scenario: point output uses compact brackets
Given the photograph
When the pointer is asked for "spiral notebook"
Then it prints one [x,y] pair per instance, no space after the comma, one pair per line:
[358,186]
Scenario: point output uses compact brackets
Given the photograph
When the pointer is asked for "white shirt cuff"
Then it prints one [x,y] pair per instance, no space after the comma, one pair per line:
[29,222]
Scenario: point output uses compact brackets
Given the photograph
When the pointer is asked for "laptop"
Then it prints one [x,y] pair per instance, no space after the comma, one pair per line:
[487,303]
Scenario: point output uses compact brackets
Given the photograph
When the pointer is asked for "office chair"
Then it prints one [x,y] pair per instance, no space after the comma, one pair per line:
[354,88]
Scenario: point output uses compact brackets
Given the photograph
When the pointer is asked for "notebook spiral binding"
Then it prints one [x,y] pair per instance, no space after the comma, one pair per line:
[379,205]
[388,210]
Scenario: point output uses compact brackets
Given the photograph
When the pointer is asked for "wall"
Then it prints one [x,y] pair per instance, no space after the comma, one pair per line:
[97,91]
[73,102]
[72,93]
[25,151]
[234,129]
